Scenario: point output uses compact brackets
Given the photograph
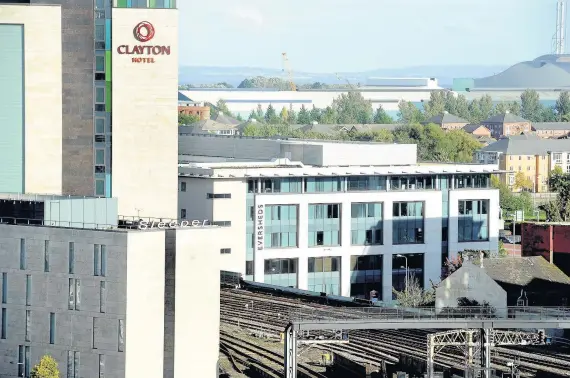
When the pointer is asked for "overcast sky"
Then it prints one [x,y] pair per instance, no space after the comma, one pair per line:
[357,35]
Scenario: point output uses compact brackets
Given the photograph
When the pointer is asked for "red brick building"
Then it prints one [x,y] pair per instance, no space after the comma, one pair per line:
[551,240]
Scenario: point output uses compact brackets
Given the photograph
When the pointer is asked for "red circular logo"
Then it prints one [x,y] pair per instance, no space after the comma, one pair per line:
[144,31]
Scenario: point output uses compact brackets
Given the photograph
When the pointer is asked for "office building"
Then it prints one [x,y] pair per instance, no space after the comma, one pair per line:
[342,218]
[100,298]
[30,99]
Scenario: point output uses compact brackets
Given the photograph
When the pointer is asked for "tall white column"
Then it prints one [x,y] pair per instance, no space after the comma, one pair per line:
[303,273]
[345,276]
[387,277]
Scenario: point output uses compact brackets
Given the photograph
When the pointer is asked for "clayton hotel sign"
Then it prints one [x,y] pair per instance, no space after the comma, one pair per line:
[144,32]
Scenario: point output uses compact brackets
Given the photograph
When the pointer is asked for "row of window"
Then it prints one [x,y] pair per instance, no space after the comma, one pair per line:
[361,183]
[53,329]
[99,258]
[366,273]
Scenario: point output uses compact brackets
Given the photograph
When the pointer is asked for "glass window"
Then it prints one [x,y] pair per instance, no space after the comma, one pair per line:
[324,225]
[366,223]
[182,186]
[99,63]
[51,328]
[100,95]
[280,226]
[139,3]
[71,260]
[46,256]
[100,33]
[281,272]
[96,260]
[100,157]
[28,290]
[183,213]
[473,220]
[99,187]
[4,324]
[102,296]
[362,183]
[324,275]
[408,223]
[103,260]
[100,125]
[23,262]
[323,184]
[4,287]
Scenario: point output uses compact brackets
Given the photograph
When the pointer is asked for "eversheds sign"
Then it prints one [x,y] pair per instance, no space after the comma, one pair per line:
[144,32]
[259,227]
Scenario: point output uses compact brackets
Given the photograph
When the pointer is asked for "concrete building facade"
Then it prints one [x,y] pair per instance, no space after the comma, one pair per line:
[101,301]
[333,220]
[31,99]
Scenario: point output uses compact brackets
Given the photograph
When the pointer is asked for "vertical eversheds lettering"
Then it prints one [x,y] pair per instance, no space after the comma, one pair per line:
[260,223]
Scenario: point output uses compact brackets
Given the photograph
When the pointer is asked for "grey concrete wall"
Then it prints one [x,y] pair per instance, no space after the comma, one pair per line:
[78,28]
[88,330]
[169,297]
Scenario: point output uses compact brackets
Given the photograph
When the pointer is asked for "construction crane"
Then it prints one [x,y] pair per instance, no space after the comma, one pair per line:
[287,68]
[347,81]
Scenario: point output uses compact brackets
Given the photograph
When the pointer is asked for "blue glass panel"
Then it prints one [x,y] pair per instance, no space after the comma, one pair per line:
[108,34]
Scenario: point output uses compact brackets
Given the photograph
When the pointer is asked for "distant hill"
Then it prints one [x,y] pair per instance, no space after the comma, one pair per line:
[234,75]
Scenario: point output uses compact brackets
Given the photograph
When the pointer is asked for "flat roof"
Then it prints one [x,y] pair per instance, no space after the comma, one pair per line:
[41,197]
[287,168]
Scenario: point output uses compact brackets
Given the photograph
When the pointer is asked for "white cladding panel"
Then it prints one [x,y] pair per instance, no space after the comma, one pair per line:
[145,127]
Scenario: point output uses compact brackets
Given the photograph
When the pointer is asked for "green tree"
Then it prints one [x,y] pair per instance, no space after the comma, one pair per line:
[515,108]
[501,108]
[461,107]
[271,115]
[383,135]
[284,115]
[548,114]
[481,109]
[352,108]
[187,119]
[303,118]
[239,117]
[435,105]
[531,109]
[315,114]
[413,295]
[562,106]
[329,116]
[46,368]
[502,250]
[291,116]
[408,113]
[222,107]
[259,114]
[380,116]
[522,182]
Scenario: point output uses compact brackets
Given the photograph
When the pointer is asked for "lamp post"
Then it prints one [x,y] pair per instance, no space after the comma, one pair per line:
[406,281]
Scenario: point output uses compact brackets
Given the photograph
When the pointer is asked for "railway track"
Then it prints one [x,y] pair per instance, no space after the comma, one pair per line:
[269,315]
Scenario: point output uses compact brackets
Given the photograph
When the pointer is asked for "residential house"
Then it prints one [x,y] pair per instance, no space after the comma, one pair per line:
[551,129]
[447,121]
[188,107]
[526,153]
[507,124]
[209,126]
[477,130]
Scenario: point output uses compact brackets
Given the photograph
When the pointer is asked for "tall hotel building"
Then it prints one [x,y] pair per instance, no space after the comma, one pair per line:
[341,218]
[89,101]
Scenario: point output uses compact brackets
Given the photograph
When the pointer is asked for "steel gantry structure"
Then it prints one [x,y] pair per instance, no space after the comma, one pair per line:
[474,328]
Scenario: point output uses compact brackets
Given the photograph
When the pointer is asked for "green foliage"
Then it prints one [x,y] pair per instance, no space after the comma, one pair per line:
[511,202]
[436,104]
[413,295]
[185,120]
[502,250]
[271,116]
[531,108]
[522,182]
[562,106]
[380,116]
[303,118]
[46,368]
[559,209]
[222,107]
[352,108]
[409,113]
